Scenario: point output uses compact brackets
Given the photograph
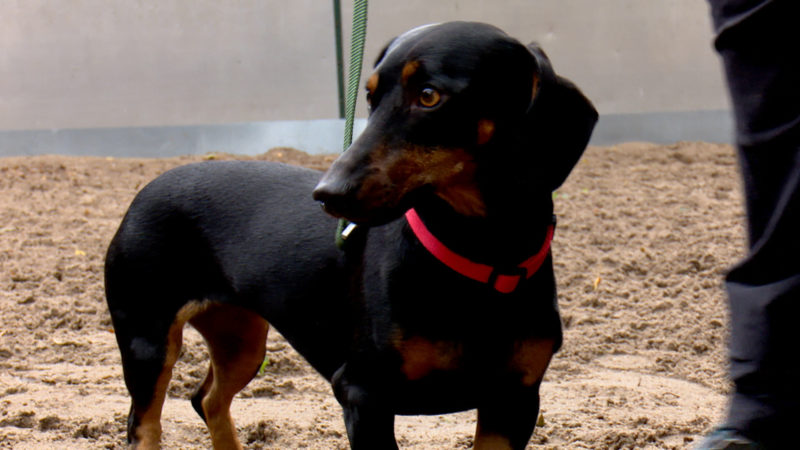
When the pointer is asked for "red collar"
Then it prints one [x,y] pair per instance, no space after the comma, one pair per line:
[503,282]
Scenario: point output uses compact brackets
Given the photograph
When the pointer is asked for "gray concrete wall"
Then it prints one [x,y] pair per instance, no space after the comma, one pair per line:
[629,56]
[86,64]
[107,63]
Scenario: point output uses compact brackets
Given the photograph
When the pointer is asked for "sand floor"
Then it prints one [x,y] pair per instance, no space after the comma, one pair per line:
[645,236]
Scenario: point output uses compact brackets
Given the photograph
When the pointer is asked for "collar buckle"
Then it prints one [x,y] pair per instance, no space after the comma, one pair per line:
[506,279]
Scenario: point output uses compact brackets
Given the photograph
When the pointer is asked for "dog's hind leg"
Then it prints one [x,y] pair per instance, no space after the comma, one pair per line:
[147,361]
[236,339]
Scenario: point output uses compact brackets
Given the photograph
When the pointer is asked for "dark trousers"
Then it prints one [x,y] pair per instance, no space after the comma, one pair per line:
[759,42]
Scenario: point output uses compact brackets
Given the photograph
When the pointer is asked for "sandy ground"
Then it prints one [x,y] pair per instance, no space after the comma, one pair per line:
[645,235]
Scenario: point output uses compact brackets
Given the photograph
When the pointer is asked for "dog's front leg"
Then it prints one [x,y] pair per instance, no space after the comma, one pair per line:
[370,424]
[507,421]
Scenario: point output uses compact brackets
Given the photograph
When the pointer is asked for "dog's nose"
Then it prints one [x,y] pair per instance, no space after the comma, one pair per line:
[331,199]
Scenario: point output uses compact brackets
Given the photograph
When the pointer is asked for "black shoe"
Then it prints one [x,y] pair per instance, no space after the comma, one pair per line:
[727,439]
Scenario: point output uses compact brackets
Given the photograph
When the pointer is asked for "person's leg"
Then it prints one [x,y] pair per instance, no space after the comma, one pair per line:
[758,41]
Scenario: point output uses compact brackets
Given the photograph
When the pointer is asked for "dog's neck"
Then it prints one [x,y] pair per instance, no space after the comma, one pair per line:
[512,229]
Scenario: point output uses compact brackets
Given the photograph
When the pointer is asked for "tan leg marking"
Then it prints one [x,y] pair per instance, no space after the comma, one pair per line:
[531,358]
[148,433]
[490,441]
[236,339]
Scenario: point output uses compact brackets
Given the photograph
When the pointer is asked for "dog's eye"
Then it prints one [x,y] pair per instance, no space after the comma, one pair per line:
[429,97]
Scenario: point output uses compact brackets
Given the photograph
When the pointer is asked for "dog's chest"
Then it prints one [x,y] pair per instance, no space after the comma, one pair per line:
[441,376]
[519,360]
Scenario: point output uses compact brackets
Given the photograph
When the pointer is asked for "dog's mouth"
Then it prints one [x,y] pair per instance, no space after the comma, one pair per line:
[372,184]
[371,212]
[373,217]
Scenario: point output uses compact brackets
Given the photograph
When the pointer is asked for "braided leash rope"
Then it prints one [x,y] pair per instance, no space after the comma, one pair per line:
[356,59]
[354,79]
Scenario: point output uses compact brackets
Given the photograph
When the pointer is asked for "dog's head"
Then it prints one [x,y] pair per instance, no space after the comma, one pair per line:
[448,102]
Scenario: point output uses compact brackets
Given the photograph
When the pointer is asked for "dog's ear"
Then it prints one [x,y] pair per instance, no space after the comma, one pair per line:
[560,120]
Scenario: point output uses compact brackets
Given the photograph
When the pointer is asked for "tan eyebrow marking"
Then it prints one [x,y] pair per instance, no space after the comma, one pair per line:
[372,82]
[409,70]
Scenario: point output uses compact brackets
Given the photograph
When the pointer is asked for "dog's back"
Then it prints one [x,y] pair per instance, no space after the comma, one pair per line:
[230,232]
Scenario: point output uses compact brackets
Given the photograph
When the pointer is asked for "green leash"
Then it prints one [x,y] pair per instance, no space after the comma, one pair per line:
[354,79]
[356,58]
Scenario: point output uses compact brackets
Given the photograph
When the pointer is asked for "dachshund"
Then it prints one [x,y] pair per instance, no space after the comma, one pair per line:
[442,299]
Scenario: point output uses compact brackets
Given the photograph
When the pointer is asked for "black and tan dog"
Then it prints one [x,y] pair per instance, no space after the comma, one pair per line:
[443,299]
